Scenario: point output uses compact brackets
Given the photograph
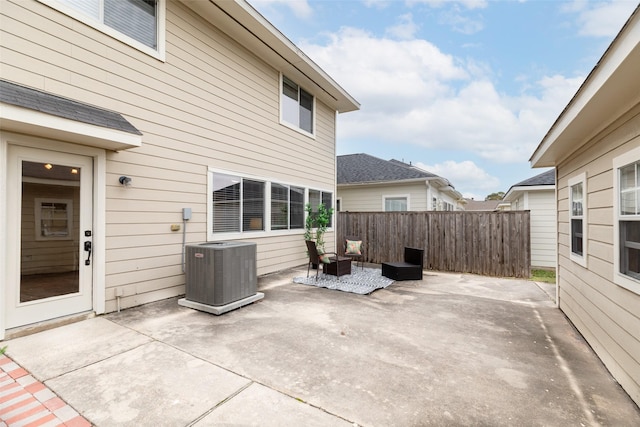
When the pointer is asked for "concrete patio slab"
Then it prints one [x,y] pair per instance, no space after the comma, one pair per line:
[65,349]
[451,349]
[151,385]
[258,405]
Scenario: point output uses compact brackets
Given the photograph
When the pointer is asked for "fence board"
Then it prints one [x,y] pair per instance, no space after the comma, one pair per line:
[487,243]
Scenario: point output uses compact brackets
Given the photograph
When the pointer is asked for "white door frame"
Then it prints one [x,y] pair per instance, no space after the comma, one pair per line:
[99,212]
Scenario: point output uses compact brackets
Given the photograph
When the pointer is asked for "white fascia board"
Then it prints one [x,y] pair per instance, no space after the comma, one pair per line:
[32,122]
[514,192]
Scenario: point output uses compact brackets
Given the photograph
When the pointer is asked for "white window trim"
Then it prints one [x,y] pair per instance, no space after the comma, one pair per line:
[267,232]
[395,196]
[161,27]
[579,259]
[292,126]
[619,278]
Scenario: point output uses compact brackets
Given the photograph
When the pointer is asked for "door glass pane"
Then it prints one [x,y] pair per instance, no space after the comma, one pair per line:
[50,237]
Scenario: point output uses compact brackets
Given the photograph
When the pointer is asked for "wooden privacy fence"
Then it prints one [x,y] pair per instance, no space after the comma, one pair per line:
[488,243]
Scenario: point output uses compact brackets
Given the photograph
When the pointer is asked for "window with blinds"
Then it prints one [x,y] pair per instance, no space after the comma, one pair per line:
[252,205]
[241,204]
[296,204]
[226,203]
[137,19]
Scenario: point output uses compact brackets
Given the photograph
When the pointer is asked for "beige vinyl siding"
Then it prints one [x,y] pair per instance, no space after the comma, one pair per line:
[369,198]
[606,314]
[542,207]
[211,104]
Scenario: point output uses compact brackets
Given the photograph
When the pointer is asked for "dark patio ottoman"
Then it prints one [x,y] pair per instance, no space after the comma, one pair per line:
[409,269]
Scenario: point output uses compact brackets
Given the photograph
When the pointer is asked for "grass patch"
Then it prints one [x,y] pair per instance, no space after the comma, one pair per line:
[547,276]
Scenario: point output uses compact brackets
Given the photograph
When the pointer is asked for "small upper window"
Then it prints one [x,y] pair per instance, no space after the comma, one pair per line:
[136,20]
[577,217]
[297,106]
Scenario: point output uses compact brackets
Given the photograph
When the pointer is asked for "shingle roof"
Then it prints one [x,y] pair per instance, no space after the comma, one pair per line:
[33,99]
[359,168]
[545,178]
[481,205]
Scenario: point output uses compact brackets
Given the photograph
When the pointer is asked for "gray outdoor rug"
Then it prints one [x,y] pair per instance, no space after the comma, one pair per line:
[360,281]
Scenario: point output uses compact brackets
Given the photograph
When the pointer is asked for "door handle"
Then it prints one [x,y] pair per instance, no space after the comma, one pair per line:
[87,248]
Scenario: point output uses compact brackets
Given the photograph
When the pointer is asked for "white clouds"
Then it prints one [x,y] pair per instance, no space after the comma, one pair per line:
[469,4]
[602,19]
[405,29]
[466,174]
[461,23]
[413,93]
[300,8]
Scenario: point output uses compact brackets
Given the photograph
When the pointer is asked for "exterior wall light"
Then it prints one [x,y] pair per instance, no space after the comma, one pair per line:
[125,181]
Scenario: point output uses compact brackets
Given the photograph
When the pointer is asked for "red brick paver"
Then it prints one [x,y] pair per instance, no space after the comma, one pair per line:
[25,401]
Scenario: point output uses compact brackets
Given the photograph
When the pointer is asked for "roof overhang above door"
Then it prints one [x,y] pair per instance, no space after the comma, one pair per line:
[31,122]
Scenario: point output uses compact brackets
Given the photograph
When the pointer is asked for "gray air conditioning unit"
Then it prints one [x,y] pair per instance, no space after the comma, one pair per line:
[220,276]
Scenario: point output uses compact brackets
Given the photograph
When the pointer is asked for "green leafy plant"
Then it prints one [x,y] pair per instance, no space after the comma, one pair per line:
[3,350]
[308,223]
[323,218]
[319,220]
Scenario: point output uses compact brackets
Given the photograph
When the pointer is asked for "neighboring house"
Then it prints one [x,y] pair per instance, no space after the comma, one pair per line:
[471,205]
[538,196]
[595,147]
[131,127]
[369,184]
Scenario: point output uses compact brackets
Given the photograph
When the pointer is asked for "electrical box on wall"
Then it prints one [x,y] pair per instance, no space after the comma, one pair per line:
[186,214]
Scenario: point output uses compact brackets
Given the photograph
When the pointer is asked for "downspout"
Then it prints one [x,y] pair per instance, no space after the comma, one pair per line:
[428,194]
[557,244]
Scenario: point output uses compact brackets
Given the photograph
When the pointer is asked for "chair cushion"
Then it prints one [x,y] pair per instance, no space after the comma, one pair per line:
[324,258]
[354,247]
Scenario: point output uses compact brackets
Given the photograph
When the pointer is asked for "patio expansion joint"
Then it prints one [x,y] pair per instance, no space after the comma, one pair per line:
[566,370]
[251,381]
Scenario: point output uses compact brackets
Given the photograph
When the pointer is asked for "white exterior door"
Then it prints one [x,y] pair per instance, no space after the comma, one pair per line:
[49,235]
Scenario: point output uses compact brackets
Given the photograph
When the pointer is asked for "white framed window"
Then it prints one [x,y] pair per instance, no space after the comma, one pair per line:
[578,219]
[287,207]
[626,187]
[138,23]
[297,107]
[317,197]
[237,204]
[53,219]
[395,203]
[240,205]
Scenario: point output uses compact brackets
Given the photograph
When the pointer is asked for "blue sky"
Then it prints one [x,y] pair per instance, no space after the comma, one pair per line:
[464,89]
